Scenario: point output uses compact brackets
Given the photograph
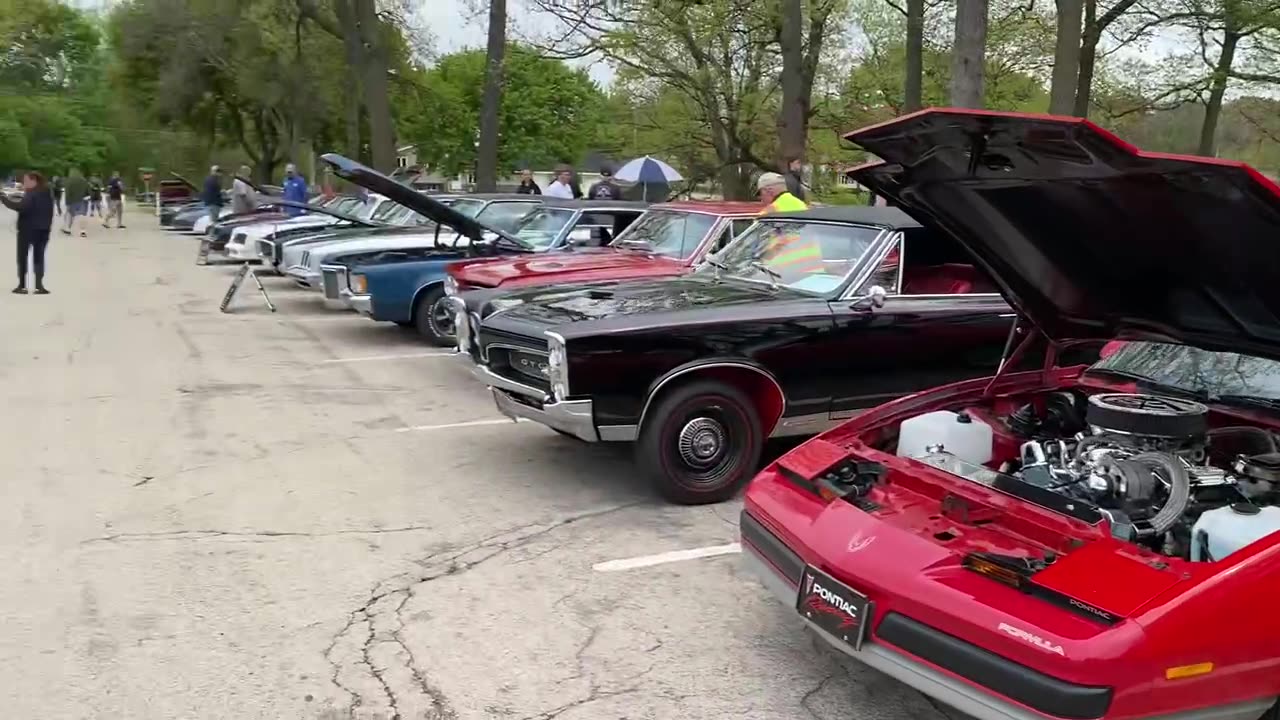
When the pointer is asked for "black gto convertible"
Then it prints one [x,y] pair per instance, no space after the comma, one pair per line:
[799,323]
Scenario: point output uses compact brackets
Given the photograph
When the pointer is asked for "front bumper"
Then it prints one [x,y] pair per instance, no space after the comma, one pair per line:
[333,283]
[779,569]
[363,304]
[522,402]
[243,251]
[304,277]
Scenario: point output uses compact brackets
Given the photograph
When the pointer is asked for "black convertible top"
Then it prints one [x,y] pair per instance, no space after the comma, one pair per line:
[890,217]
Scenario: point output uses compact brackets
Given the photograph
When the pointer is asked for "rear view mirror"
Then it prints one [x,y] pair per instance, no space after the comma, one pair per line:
[873,300]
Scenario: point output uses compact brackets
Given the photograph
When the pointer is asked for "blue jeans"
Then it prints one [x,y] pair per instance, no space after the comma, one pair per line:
[214,212]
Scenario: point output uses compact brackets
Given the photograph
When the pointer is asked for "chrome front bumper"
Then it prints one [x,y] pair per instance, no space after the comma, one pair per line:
[333,282]
[363,304]
[303,277]
[522,402]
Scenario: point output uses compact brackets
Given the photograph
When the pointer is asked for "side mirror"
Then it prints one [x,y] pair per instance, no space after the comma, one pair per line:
[873,300]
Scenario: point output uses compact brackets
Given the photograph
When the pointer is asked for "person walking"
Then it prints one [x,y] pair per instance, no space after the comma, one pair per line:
[77,196]
[35,220]
[527,184]
[295,189]
[115,201]
[95,197]
[211,194]
[605,188]
[55,187]
[562,186]
[243,197]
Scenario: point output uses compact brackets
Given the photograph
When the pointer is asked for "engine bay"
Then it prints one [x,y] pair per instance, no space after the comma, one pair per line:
[1151,465]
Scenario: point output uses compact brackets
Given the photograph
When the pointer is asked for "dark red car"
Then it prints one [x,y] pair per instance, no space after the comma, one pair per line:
[1076,541]
[669,239]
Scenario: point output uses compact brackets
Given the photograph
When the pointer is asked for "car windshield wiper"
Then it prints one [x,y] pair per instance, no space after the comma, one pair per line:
[719,266]
[1145,383]
[1252,401]
[774,275]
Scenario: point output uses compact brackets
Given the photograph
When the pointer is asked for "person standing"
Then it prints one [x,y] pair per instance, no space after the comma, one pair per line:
[774,194]
[795,178]
[605,188]
[295,189]
[527,184]
[115,201]
[562,186]
[77,196]
[35,220]
[55,187]
[211,195]
[243,197]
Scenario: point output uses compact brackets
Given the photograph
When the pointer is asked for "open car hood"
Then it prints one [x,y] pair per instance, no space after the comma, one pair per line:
[1088,236]
[318,210]
[184,181]
[260,189]
[433,210]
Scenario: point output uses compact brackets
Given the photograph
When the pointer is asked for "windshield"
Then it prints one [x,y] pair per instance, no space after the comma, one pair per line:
[505,216]
[666,232]
[468,207]
[811,257]
[388,212]
[345,205]
[1202,372]
[541,227]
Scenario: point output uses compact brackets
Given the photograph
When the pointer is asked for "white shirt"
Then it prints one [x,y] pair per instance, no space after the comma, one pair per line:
[560,190]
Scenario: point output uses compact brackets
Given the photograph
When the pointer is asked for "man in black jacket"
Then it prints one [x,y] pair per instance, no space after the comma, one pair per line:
[35,219]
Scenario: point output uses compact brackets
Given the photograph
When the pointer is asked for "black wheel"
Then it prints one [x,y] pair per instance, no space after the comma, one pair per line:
[700,443]
[432,317]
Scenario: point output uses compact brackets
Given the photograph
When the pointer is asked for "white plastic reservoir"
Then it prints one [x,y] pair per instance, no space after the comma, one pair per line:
[956,433]
[1220,532]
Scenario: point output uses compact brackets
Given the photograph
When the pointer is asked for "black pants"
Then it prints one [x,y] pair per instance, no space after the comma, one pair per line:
[33,243]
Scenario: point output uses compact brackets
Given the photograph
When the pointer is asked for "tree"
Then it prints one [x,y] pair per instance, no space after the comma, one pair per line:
[1094,26]
[968,55]
[549,112]
[487,162]
[1066,57]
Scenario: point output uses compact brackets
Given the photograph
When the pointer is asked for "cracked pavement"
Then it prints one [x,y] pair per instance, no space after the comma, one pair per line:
[205,519]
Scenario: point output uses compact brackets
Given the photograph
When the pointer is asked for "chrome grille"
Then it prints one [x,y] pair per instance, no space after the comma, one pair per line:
[523,366]
[306,255]
[265,248]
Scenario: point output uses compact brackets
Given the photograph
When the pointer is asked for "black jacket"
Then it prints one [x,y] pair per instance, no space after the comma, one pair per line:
[529,189]
[605,189]
[35,211]
[212,193]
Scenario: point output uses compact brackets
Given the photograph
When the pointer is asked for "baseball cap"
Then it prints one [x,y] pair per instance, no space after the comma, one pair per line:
[770,179]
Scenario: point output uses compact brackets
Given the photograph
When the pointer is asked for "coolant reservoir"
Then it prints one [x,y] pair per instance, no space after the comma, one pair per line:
[956,433]
[1220,532]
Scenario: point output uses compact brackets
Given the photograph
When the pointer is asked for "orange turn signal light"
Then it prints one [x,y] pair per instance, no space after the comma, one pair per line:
[993,570]
[1187,671]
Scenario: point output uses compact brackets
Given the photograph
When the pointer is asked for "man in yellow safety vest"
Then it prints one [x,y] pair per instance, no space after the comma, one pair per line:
[786,251]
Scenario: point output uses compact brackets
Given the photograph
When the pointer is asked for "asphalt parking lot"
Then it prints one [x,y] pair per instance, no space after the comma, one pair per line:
[310,515]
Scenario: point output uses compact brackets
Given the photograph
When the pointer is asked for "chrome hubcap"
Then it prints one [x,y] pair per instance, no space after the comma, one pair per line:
[441,318]
[702,442]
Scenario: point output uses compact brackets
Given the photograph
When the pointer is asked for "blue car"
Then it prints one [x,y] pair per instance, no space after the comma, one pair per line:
[409,288]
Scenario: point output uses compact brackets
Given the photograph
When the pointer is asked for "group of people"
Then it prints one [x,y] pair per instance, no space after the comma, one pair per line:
[565,185]
[244,197]
[83,198]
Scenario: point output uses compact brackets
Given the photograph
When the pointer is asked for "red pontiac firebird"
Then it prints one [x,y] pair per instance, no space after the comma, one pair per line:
[1064,542]
[667,240]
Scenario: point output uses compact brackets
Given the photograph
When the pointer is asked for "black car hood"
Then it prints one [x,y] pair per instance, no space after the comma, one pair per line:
[1088,236]
[622,305]
[319,210]
[260,189]
[184,181]
[429,208]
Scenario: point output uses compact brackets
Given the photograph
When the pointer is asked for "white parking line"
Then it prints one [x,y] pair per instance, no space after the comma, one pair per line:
[405,356]
[448,426]
[667,557]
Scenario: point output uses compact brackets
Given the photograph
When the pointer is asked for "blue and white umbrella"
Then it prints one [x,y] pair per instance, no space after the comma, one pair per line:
[648,171]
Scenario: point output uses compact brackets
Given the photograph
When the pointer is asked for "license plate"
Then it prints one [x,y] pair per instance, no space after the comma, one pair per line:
[833,606]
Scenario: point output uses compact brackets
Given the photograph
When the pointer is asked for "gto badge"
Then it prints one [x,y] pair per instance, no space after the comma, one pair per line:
[858,542]
[1033,639]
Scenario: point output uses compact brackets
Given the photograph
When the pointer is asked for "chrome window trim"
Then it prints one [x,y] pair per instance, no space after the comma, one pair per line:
[895,239]
[648,401]
[935,296]
[842,287]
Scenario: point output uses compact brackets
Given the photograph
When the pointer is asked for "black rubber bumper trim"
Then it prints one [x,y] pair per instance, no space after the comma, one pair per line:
[774,550]
[1034,689]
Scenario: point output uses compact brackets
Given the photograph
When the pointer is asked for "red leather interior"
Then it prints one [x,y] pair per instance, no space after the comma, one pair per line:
[947,279]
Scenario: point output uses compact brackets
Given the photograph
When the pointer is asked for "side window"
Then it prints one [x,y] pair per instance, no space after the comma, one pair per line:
[938,265]
[740,226]
[886,273]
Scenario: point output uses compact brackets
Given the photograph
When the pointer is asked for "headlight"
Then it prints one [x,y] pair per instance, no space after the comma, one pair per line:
[450,285]
[461,327]
[359,284]
[557,366]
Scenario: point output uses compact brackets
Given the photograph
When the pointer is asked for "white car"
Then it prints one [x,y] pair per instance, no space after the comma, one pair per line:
[243,244]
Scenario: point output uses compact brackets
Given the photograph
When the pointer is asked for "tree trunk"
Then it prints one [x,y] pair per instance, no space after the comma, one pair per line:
[377,100]
[1212,110]
[913,85]
[969,54]
[734,183]
[355,60]
[792,115]
[1066,58]
[491,104]
[1088,59]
